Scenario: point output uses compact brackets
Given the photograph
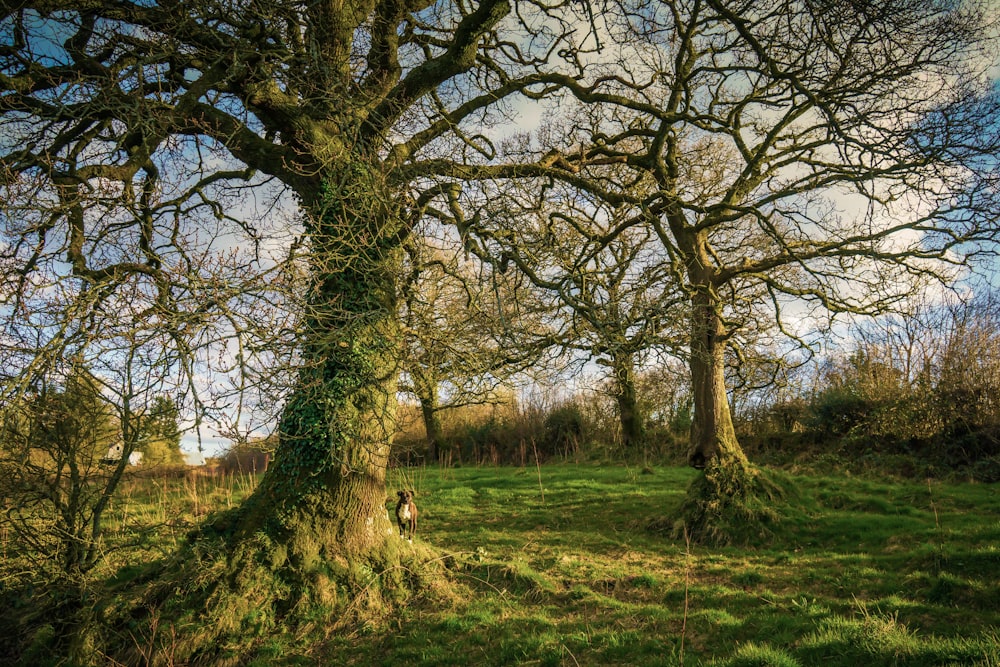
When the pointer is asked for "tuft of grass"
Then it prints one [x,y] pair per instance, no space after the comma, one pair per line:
[759,655]
[878,638]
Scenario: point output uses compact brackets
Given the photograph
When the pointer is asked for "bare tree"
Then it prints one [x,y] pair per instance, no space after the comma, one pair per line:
[850,167]
[467,331]
[607,280]
[791,156]
[133,131]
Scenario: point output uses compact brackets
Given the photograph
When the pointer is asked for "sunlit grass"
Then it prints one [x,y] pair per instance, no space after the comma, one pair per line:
[557,567]
[858,572]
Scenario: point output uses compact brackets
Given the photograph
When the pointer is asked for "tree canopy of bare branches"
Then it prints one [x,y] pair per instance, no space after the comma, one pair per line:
[801,152]
[791,157]
[146,147]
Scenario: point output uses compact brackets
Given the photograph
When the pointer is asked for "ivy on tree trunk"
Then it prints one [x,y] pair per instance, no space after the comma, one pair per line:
[327,485]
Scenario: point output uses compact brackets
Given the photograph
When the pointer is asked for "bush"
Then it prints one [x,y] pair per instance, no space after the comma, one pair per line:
[986,470]
[159,452]
[564,429]
[250,458]
[53,488]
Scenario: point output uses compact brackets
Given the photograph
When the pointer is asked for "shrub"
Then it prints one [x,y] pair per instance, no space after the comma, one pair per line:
[564,429]
[158,451]
[250,457]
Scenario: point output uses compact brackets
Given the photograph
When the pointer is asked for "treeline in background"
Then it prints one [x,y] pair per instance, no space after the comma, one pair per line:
[916,395]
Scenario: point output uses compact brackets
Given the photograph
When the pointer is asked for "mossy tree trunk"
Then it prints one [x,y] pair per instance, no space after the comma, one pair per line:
[324,496]
[731,502]
[314,540]
[713,435]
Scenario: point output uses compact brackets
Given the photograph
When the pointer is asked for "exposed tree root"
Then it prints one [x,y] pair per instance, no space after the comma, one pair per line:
[215,603]
[731,502]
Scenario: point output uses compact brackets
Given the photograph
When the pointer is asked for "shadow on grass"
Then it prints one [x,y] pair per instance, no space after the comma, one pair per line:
[847,577]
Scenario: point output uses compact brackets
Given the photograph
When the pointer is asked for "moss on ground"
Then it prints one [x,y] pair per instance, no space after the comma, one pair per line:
[728,504]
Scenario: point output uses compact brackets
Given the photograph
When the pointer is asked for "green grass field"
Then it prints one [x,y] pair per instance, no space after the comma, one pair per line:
[556,566]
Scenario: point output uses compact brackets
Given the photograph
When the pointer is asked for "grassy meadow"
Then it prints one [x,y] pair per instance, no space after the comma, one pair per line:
[561,570]
[556,566]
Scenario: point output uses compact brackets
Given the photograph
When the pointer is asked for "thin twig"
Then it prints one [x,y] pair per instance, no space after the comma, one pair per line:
[538,467]
[930,492]
[575,661]
[687,580]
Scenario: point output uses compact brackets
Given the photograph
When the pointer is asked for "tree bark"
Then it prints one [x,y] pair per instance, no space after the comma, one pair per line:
[730,502]
[432,424]
[425,386]
[629,413]
[325,495]
[712,433]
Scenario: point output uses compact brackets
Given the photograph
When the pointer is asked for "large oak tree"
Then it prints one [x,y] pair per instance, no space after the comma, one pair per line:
[139,139]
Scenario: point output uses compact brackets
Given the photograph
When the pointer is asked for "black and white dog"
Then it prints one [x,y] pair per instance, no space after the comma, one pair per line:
[406,514]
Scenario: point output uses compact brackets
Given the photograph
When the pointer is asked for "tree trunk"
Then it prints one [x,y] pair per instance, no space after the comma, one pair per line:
[425,386]
[432,425]
[731,502]
[314,542]
[633,428]
[712,433]
[324,497]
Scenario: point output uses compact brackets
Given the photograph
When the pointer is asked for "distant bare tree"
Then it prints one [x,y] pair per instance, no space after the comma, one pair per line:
[798,155]
[467,331]
[606,279]
[84,373]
